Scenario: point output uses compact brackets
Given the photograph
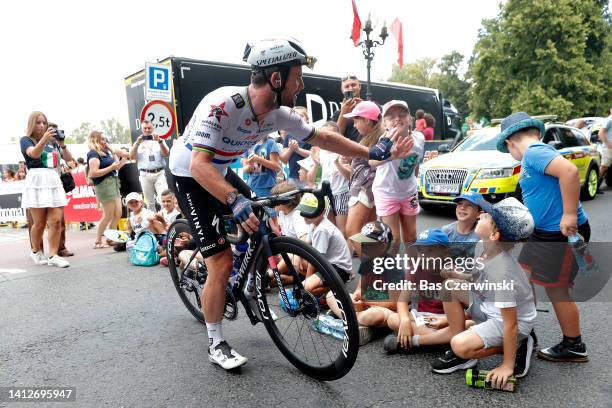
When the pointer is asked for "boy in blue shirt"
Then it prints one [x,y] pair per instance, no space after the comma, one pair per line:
[261,163]
[551,190]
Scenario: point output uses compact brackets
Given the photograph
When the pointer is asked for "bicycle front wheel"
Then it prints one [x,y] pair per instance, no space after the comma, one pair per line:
[296,330]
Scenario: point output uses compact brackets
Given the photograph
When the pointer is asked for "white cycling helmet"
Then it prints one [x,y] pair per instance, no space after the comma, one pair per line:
[281,53]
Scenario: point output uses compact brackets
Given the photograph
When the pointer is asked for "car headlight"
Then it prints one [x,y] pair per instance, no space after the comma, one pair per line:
[495,173]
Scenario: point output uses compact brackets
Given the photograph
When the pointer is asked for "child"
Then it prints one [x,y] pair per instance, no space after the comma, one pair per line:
[261,163]
[168,211]
[503,316]
[461,234]
[142,219]
[373,307]
[395,182]
[551,191]
[419,123]
[326,238]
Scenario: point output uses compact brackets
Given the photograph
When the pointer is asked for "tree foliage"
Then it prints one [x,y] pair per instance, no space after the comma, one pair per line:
[112,129]
[543,57]
[79,135]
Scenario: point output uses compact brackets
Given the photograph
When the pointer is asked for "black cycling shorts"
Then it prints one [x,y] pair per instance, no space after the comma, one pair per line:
[205,213]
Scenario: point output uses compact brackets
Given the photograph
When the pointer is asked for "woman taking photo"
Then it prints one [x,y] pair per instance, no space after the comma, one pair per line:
[43,193]
[367,120]
[103,165]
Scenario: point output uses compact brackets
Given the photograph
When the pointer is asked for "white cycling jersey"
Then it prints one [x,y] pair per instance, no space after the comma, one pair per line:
[225,126]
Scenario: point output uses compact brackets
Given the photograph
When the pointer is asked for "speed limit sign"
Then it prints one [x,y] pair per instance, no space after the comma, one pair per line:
[161,115]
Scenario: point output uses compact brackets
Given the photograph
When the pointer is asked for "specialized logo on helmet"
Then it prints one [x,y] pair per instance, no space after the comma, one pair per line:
[217,111]
[281,58]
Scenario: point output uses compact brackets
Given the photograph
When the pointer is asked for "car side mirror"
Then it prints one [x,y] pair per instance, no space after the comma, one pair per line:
[556,144]
[443,148]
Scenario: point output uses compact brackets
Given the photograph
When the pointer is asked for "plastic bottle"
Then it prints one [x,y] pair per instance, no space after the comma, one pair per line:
[293,302]
[238,252]
[477,378]
[329,325]
[582,255]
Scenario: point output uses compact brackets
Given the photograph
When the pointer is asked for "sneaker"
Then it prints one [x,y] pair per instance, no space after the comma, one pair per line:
[449,363]
[58,261]
[523,357]
[39,258]
[366,335]
[226,357]
[565,351]
[391,345]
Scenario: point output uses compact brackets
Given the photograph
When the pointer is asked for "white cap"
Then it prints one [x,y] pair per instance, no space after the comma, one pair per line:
[393,103]
[306,163]
[133,196]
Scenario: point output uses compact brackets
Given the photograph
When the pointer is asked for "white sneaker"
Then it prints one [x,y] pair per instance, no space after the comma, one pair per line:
[58,261]
[39,258]
[226,357]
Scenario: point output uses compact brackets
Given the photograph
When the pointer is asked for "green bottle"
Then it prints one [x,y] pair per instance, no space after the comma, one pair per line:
[477,378]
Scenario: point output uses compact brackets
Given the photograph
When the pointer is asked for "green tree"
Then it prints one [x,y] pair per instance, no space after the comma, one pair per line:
[115,131]
[79,135]
[451,83]
[543,56]
[417,73]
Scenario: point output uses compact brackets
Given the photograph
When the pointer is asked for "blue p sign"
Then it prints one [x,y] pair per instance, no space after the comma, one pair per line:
[158,78]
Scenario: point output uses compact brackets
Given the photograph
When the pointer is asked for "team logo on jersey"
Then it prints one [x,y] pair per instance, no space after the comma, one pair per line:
[218,111]
[238,100]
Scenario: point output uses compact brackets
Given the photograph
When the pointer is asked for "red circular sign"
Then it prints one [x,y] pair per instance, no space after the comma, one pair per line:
[161,115]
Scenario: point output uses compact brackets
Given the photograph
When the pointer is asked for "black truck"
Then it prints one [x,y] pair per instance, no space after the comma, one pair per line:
[193,79]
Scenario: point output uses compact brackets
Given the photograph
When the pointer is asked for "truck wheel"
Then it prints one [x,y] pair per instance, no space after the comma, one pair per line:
[591,182]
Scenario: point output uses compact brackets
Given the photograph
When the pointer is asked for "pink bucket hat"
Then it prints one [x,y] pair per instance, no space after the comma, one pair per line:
[365,109]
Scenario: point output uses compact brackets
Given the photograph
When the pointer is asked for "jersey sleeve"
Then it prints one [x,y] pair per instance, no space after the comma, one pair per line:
[206,128]
[539,157]
[293,123]
[24,143]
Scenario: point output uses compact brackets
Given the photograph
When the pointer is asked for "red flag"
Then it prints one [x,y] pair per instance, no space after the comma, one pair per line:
[396,30]
[356,33]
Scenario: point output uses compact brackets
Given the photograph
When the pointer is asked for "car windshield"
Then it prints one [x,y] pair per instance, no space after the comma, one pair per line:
[479,141]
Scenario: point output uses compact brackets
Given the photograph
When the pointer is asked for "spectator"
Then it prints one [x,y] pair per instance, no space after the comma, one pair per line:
[142,219]
[306,173]
[337,170]
[469,127]
[9,176]
[461,233]
[22,168]
[149,151]
[605,135]
[295,150]
[420,124]
[80,165]
[351,89]
[261,163]
[366,117]
[43,192]
[103,165]
[168,211]
[428,132]
[395,183]
[21,175]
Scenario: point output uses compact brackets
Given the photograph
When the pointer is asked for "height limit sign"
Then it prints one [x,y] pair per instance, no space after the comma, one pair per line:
[161,115]
[157,82]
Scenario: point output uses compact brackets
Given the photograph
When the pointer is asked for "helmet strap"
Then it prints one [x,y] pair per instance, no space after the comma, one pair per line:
[278,90]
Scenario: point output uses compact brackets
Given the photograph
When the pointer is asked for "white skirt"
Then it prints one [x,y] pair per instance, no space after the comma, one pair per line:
[43,189]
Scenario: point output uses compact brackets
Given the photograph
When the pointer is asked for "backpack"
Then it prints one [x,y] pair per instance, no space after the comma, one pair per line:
[144,252]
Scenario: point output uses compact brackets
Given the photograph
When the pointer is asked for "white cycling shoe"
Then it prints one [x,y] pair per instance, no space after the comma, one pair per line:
[226,357]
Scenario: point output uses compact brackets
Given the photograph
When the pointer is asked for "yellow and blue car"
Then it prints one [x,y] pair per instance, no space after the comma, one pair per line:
[476,165]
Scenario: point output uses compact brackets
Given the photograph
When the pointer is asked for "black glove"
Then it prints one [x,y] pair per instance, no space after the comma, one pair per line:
[381,150]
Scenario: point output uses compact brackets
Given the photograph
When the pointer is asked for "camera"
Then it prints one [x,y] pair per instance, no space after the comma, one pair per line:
[349,95]
[59,134]
[147,137]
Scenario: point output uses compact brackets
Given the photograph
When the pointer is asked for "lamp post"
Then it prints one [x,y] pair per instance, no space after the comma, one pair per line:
[368,51]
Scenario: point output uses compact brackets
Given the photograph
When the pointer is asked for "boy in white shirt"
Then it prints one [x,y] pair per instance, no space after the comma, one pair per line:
[168,211]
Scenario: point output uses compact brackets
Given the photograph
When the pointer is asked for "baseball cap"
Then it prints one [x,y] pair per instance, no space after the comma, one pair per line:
[513,219]
[434,236]
[133,196]
[375,231]
[365,109]
[306,163]
[308,204]
[472,197]
[395,102]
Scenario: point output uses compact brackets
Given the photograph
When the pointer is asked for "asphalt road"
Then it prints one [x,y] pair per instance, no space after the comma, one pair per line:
[121,335]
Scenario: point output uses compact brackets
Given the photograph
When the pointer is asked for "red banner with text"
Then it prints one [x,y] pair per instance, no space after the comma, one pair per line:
[82,205]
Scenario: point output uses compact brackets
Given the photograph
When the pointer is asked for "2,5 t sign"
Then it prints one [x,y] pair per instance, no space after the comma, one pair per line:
[161,115]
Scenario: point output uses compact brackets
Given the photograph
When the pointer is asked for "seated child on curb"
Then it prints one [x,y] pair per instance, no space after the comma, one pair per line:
[372,307]
[142,219]
[425,324]
[504,317]
[168,210]
[326,238]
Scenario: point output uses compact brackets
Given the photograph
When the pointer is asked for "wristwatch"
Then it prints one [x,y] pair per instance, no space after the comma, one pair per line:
[160,141]
[230,197]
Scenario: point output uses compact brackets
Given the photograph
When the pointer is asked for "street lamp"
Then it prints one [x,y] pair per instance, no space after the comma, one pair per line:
[369,46]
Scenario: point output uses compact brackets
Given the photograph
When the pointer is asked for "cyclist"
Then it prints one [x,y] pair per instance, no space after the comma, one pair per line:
[227,122]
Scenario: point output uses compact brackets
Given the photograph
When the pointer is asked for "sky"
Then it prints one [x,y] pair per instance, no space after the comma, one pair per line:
[69,59]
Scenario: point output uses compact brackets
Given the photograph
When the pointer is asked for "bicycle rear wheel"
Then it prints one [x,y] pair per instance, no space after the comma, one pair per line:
[321,356]
[188,282]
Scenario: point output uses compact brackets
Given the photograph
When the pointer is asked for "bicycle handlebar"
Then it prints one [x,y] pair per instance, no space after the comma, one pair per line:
[284,198]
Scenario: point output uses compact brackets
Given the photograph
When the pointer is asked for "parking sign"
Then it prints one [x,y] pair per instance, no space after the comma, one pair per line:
[157,82]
